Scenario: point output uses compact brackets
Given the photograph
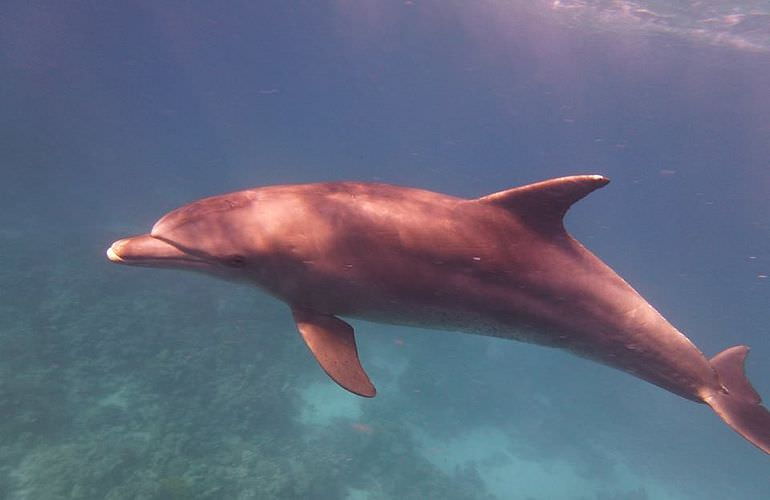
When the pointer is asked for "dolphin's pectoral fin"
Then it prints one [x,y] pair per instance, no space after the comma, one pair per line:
[543,204]
[333,343]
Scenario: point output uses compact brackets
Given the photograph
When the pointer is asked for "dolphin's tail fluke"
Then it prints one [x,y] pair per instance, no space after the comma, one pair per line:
[740,406]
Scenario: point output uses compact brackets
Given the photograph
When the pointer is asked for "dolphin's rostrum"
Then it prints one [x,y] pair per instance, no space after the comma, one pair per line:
[501,265]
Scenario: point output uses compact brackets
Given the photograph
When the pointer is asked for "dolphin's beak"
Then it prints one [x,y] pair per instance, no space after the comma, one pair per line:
[144,250]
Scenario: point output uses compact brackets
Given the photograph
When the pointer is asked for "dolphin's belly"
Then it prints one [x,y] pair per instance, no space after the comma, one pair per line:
[654,350]
[451,301]
[614,326]
[440,318]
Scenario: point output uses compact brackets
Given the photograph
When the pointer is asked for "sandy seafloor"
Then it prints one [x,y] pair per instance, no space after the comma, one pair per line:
[120,383]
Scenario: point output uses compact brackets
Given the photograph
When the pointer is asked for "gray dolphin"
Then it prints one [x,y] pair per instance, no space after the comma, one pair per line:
[501,265]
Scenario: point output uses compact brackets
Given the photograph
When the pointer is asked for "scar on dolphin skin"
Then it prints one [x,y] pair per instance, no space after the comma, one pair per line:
[502,265]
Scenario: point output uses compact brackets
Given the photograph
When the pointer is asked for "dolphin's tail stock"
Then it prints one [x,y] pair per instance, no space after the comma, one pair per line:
[740,406]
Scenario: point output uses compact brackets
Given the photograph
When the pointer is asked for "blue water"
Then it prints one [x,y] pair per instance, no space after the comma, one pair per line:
[127,383]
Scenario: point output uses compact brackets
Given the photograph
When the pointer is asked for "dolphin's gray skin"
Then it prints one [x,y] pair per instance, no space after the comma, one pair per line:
[501,265]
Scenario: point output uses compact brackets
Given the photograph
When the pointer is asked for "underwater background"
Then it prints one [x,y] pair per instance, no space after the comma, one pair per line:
[120,383]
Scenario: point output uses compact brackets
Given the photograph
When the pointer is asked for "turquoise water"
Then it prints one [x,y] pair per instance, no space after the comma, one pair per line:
[128,383]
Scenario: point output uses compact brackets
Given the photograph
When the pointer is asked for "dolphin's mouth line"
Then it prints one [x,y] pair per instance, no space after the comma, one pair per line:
[190,255]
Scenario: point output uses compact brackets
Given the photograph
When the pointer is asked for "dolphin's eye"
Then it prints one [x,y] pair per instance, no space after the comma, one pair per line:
[235,261]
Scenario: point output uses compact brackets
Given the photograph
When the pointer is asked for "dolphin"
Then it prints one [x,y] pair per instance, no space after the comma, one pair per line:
[502,265]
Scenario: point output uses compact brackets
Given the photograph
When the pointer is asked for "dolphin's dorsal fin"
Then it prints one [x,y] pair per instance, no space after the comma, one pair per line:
[544,204]
[333,343]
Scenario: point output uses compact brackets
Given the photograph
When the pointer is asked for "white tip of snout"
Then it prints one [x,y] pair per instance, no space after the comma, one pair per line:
[112,255]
